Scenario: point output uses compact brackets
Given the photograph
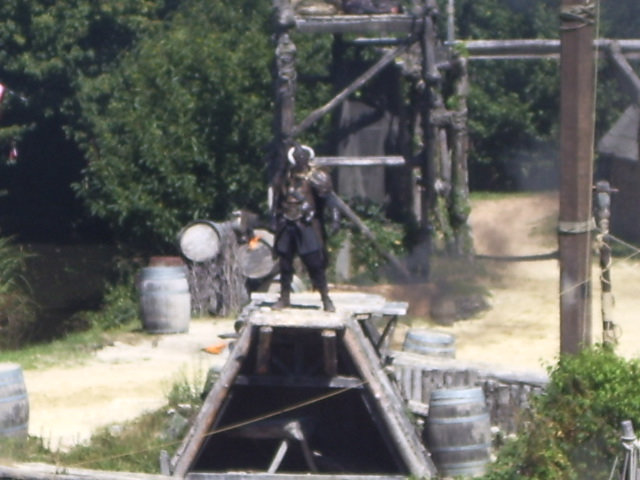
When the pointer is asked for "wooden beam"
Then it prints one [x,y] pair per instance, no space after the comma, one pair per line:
[534,48]
[187,452]
[314,116]
[41,471]
[626,73]
[286,476]
[351,215]
[330,352]
[263,355]
[305,381]
[379,24]
[367,161]
[389,403]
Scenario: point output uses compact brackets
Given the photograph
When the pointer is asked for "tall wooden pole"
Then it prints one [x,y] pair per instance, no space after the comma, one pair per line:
[577,63]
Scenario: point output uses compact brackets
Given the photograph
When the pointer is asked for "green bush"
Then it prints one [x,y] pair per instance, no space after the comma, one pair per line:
[574,428]
[119,308]
[367,259]
[17,309]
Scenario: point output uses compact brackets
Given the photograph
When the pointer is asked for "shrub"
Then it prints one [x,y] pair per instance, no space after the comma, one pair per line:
[367,259]
[17,309]
[574,428]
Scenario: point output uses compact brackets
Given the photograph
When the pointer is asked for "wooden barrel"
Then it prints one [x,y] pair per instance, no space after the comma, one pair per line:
[14,404]
[430,342]
[256,257]
[199,241]
[164,299]
[458,431]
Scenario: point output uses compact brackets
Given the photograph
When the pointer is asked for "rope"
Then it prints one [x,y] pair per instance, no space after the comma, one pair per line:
[601,238]
[227,428]
[583,15]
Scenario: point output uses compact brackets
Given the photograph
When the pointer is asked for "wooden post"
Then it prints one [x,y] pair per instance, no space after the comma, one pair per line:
[603,196]
[577,72]
[628,78]
[285,82]
[460,203]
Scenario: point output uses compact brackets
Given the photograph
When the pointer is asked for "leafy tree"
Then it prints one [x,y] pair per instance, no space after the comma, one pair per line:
[178,130]
[514,104]
[45,47]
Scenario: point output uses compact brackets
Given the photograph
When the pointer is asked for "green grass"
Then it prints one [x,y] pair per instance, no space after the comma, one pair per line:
[485,195]
[132,446]
[73,349]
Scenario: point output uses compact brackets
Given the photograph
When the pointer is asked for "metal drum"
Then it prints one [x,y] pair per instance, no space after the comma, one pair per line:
[165,300]
[199,241]
[14,404]
[430,343]
[458,431]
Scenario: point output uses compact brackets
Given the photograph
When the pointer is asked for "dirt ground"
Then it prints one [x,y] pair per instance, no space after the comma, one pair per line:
[519,330]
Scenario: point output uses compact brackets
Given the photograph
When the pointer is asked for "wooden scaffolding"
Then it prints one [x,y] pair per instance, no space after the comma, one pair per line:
[305,393]
[438,81]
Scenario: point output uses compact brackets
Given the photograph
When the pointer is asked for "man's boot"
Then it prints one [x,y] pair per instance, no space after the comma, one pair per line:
[284,301]
[327,304]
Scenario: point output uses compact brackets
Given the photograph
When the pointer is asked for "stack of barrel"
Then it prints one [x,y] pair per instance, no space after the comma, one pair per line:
[457,428]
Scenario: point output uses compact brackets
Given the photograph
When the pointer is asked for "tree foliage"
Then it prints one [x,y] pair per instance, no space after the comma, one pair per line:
[45,48]
[514,104]
[178,130]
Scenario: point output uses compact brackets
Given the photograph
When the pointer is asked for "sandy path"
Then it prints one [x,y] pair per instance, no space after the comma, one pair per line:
[122,381]
[522,329]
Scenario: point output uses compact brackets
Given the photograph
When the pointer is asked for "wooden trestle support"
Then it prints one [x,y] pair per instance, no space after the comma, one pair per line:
[305,393]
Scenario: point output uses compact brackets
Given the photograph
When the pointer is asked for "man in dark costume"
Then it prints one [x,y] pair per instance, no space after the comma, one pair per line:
[299,198]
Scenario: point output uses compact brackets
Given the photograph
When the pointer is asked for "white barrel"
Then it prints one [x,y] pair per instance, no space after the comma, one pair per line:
[200,241]
[14,403]
[164,299]
[430,343]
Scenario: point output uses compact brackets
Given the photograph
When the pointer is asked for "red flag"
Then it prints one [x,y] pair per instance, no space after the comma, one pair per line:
[2,90]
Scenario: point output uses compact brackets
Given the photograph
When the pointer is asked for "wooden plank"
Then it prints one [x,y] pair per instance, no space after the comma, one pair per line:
[263,356]
[286,476]
[41,471]
[337,381]
[351,215]
[389,403]
[627,75]
[534,48]
[371,72]
[378,24]
[395,308]
[194,439]
[278,457]
[365,161]
[306,306]
[299,317]
[330,352]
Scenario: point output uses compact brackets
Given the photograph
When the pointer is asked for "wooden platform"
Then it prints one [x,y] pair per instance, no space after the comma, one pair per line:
[305,393]
[379,23]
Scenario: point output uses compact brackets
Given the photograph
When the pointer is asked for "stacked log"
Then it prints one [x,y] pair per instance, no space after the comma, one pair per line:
[216,281]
